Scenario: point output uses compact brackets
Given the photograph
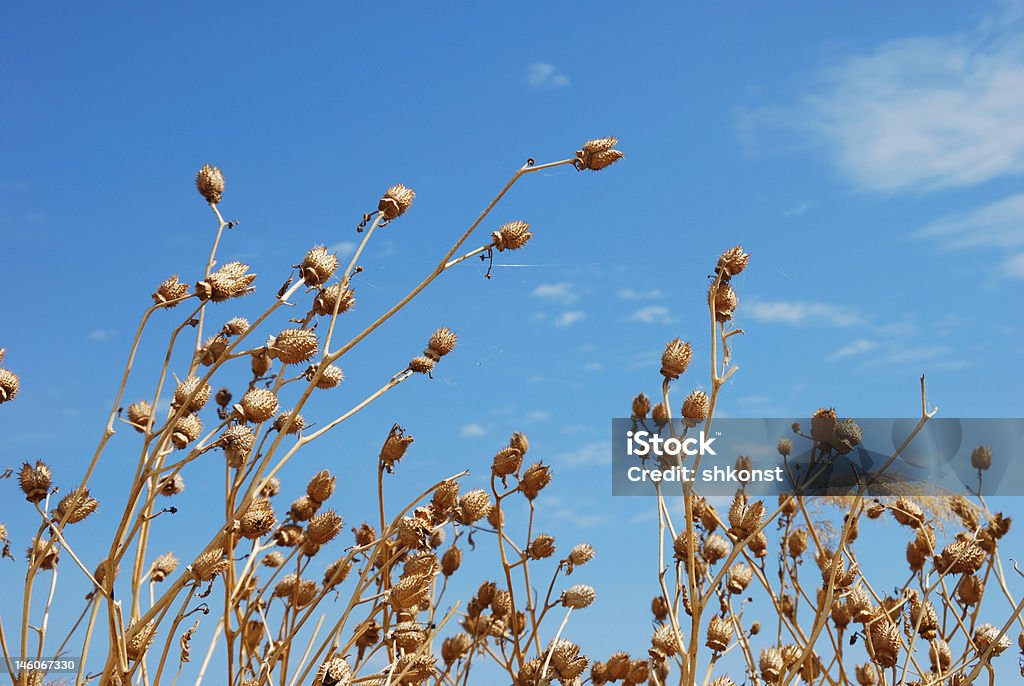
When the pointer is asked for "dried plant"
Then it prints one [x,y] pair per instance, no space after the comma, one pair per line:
[777,585]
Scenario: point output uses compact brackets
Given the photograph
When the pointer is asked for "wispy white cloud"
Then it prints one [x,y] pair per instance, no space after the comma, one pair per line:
[924,112]
[473,431]
[999,225]
[537,416]
[343,248]
[596,452]
[797,210]
[801,313]
[101,335]
[652,314]
[564,293]
[852,349]
[633,294]
[569,318]
[1014,266]
[543,75]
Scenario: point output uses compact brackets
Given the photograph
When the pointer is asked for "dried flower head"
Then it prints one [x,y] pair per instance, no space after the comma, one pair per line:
[719,633]
[170,292]
[318,266]
[321,486]
[303,508]
[581,554]
[258,519]
[440,344]
[396,201]
[981,457]
[76,506]
[171,485]
[334,671]
[289,424]
[740,575]
[506,461]
[725,301]
[45,553]
[675,359]
[451,561]
[456,647]
[193,393]
[597,154]
[258,405]
[213,350]
[330,377]
[236,326]
[394,448]
[696,406]
[35,481]
[987,637]
[293,346]
[641,406]
[210,183]
[534,480]
[409,592]
[230,281]
[784,447]
[323,527]
[732,262]
[771,664]
[139,639]
[336,573]
[511,236]
[163,567]
[421,365]
[335,296]
[578,596]
[187,429]
[474,506]
[273,559]
[208,565]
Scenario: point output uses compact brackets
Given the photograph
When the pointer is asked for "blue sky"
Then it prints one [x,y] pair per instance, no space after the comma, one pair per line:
[869,156]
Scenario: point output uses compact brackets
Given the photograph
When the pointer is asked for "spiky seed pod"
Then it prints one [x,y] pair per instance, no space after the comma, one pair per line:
[413,532]
[334,296]
[193,393]
[970,589]
[336,573]
[666,640]
[726,302]
[841,614]
[866,675]
[784,447]
[408,636]
[981,457]
[230,281]
[35,481]
[408,593]
[394,448]
[213,350]
[960,557]
[208,565]
[719,633]
[884,643]
[578,596]
[940,655]
[210,183]
[237,326]
[289,536]
[237,442]
[416,668]
[45,552]
[258,405]
[451,561]
[696,406]
[715,548]
[597,154]
[541,547]
[171,485]
[76,506]
[323,527]
[293,346]
[846,436]
[334,671]
[907,512]
[163,567]
[511,236]
[660,415]
[617,666]
[273,559]
[501,603]
[965,511]
[723,681]
[321,486]
[683,544]
[740,575]
[139,414]
[139,639]
[421,365]
[659,608]
[581,554]
[440,344]
[639,672]
[474,506]
[291,426]
[732,262]
[675,359]
[223,397]
[318,266]
[534,480]
[771,664]
[100,573]
[305,592]
[303,508]
[566,659]
[641,406]
[921,614]
[456,647]
[258,519]
[506,461]
[396,201]
[270,487]
[445,499]
[187,429]
[170,291]
[875,510]
[423,563]
[329,378]
[365,535]
[987,637]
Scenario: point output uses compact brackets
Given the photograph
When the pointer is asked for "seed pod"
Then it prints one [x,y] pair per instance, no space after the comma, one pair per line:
[208,565]
[771,664]
[823,424]
[318,266]
[715,548]
[45,552]
[193,393]
[740,575]
[139,639]
[409,592]
[445,498]
[451,560]
[35,481]
[719,633]
[884,644]
[76,506]
[273,559]
[365,534]
[666,640]
[578,596]
[597,154]
[258,405]
[987,637]
[334,671]
[293,346]
[456,647]
[270,487]
[641,406]
[321,486]
[960,557]
[334,297]
[396,201]
[230,281]
[511,236]
[534,480]
[506,462]
[303,508]
[421,365]
[237,442]
[170,291]
[581,554]
[970,590]
[258,519]
[210,183]
[237,326]
[866,675]
[395,446]
[696,406]
[187,429]
[474,506]
[289,536]
[659,608]
[732,262]
[139,414]
[440,344]
[675,359]
[213,350]
[543,546]
[725,301]
[322,528]
[981,457]
[907,512]
[163,567]
[784,447]
[336,573]
[566,659]
[171,485]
